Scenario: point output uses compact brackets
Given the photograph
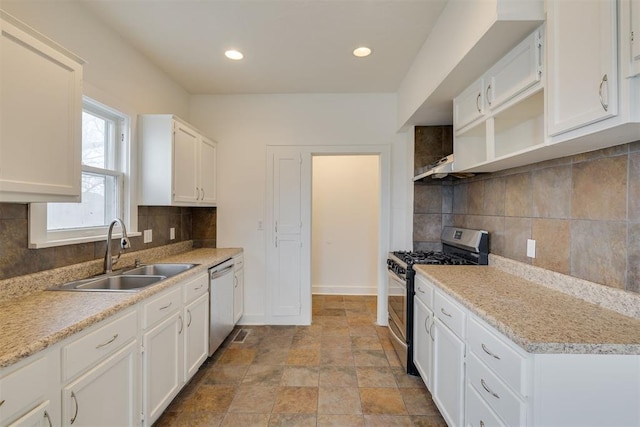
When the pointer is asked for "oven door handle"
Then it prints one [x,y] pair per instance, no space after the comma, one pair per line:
[398,339]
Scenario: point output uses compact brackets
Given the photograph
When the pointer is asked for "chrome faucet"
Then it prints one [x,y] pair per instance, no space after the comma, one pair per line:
[124,244]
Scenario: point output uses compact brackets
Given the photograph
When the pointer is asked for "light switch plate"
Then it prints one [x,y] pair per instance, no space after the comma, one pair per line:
[531,248]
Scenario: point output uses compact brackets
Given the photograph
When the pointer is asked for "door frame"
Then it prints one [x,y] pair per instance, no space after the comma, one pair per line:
[384,222]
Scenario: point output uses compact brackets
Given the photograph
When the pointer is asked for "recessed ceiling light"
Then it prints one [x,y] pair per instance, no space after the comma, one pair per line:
[361,52]
[236,55]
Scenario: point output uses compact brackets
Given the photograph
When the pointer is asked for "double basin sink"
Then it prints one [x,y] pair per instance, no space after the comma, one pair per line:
[131,280]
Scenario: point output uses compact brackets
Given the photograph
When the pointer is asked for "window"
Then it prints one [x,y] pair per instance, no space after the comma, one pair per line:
[105,157]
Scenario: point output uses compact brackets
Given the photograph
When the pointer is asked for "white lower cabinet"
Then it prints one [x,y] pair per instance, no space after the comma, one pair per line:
[238,288]
[448,374]
[162,365]
[38,417]
[196,337]
[36,404]
[423,341]
[106,395]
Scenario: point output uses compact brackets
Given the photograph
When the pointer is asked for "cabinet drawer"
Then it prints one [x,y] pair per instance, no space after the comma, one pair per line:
[195,288]
[91,348]
[479,414]
[496,353]
[450,313]
[424,291]
[162,307]
[493,391]
[23,389]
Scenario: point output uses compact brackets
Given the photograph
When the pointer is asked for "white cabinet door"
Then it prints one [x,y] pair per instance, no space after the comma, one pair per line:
[448,374]
[38,417]
[196,335]
[423,341]
[635,37]
[469,105]
[582,69]
[107,395]
[208,158]
[185,166]
[520,69]
[238,295]
[162,365]
[40,117]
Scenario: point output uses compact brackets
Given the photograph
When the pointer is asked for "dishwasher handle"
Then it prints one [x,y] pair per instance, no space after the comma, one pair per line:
[216,274]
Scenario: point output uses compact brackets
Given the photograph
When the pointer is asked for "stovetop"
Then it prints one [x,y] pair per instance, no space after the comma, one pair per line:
[432,257]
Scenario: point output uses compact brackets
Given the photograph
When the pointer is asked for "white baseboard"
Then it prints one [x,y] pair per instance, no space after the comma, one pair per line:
[344,290]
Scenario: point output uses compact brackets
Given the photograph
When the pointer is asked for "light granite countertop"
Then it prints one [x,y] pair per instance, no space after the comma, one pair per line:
[33,322]
[537,318]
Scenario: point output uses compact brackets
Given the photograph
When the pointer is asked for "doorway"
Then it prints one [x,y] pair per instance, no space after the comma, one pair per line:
[288,229]
[345,216]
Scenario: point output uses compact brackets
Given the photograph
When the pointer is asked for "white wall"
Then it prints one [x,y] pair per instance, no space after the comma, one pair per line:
[113,67]
[344,232]
[244,125]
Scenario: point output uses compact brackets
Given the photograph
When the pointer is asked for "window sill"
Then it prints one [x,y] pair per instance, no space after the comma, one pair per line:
[77,240]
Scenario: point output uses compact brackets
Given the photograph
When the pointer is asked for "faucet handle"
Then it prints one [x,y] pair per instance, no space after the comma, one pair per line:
[125,243]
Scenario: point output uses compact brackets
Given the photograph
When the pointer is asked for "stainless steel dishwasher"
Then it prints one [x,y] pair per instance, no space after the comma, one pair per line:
[220,303]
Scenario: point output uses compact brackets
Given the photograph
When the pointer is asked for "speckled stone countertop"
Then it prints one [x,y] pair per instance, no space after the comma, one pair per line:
[40,319]
[537,318]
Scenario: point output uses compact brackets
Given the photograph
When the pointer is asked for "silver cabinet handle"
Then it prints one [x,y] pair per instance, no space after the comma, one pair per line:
[421,291]
[431,331]
[481,423]
[426,327]
[486,95]
[181,325]
[486,350]
[602,82]
[202,198]
[478,102]
[491,392]
[444,312]
[108,342]
[2,402]
[198,288]
[197,193]
[166,306]
[235,282]
[46,415]
[189,322]
[75,415]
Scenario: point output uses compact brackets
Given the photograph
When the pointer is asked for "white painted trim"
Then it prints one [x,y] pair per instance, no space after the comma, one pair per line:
[343,290]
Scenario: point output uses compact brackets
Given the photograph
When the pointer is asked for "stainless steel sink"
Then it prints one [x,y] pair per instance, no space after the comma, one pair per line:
[132,280]
[120,283]
[167,270]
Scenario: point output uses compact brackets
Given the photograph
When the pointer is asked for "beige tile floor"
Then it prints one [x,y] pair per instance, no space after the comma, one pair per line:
[341,371]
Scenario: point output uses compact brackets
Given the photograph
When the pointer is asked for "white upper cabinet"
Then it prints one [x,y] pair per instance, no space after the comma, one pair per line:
[40,117]
[582,70]
[520,69]
[177,163]
[634,17]
[469,105]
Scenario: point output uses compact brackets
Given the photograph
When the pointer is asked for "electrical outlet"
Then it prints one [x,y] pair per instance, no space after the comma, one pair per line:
[531,248]
[148,236]
[172,233]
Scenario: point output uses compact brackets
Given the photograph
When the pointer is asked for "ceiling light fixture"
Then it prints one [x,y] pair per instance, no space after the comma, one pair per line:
[236,55]
[361,52]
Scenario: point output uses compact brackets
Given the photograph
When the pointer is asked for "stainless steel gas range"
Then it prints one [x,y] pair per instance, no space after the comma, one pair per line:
[459,247]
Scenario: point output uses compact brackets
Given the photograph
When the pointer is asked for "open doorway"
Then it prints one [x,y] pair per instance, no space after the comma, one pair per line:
[345,226]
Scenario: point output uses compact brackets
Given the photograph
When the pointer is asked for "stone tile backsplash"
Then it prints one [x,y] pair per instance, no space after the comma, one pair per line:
[583,212]
[16,259]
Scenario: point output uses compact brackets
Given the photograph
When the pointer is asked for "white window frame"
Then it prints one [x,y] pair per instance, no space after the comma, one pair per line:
[41,237]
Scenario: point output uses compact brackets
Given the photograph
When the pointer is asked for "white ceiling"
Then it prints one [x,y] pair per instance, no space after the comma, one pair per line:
[290,46]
